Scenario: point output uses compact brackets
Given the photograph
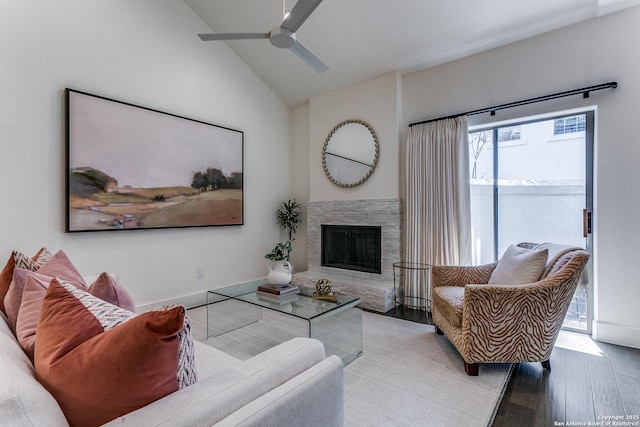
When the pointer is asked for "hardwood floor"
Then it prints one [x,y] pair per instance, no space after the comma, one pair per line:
[588,382]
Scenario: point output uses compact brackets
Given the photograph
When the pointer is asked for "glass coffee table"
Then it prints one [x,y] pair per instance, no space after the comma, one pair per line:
[247,319]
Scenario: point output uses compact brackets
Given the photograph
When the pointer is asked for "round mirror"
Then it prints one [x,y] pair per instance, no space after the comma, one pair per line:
[350,153]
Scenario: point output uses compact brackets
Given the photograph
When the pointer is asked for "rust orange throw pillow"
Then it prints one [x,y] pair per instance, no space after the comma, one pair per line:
[6,275]
[98,373]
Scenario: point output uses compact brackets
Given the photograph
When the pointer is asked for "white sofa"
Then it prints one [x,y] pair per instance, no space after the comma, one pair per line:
[290,384]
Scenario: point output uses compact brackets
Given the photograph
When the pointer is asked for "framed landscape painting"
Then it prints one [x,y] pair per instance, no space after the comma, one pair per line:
[130,167]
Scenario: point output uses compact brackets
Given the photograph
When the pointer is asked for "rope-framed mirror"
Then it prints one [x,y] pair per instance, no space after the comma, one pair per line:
[350,153]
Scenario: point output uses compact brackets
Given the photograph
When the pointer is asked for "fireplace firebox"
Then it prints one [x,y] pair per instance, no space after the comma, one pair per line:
[351,247]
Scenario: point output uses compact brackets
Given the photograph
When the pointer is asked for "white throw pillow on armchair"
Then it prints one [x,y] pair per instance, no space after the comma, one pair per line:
[519,265]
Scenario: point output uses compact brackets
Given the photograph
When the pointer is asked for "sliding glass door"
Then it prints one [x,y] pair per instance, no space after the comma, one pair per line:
[531,181]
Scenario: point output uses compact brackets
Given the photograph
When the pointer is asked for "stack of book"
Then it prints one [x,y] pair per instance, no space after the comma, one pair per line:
[280,294]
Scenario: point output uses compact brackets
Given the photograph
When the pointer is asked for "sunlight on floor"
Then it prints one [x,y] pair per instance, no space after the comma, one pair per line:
[578,342]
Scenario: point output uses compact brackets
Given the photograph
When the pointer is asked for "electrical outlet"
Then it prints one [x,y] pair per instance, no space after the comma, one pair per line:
[200,272]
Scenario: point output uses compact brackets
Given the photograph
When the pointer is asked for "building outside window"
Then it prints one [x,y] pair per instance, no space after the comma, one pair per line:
[569,124]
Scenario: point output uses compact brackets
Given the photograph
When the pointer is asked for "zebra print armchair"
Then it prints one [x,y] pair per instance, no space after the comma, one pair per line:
[511,323]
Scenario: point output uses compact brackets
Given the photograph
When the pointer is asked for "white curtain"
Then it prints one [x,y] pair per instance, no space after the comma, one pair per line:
[437,203]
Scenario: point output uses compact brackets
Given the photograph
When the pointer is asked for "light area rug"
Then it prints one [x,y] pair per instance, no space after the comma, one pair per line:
[406,376]
[409,376]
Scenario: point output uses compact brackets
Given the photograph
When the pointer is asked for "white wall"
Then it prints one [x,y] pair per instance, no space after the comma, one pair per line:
[145,52]
[593,52]
[597,51]
[300,180]
[377,103]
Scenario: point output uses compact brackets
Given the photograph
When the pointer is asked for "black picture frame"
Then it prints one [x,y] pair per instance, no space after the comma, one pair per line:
[130,167]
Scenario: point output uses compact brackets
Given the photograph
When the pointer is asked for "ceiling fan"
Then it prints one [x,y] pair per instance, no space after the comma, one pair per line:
[283,36]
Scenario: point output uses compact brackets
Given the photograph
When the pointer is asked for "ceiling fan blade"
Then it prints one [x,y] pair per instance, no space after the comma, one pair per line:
[233,36]
[305,54]
[299,14]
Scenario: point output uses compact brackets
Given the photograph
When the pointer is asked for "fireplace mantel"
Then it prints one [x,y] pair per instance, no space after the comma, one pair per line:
[385,213]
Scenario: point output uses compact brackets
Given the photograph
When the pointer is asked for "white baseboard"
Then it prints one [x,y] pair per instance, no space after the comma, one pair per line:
[189,301]
[615,333]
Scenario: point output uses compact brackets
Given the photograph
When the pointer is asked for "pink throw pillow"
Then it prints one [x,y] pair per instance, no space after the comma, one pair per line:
[108,289]
[59,265]
[19,260]
[33,294]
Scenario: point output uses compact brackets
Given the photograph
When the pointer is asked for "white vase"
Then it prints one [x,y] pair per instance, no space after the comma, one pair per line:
[279,273]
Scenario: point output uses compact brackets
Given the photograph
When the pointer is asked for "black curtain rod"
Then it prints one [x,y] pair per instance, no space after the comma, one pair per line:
[584,91]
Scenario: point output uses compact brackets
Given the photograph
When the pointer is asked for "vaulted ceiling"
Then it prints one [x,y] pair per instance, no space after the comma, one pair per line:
[362,39]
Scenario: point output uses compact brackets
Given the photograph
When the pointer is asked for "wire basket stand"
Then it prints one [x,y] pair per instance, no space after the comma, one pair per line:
[411,286]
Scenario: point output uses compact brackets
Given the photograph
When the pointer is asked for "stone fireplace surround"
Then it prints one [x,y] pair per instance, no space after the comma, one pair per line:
[375,290]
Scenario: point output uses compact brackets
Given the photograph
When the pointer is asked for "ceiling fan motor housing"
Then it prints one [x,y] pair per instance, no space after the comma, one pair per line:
[281,37]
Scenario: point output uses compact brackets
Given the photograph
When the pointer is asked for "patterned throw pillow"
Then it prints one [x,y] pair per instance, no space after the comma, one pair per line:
[100,361]
[23,261]
[109,315]
[42,256]
[186,354]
